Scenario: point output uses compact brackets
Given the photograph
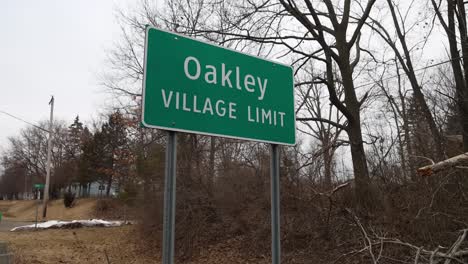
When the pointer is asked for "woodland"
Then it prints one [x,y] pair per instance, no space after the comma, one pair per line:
[379,171]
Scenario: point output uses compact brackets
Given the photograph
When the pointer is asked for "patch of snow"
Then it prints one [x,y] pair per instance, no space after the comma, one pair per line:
[70,224]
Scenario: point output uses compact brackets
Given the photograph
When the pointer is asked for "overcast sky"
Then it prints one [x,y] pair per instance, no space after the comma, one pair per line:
[55,48]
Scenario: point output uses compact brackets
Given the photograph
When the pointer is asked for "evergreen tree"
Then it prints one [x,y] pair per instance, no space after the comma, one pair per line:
[112,144]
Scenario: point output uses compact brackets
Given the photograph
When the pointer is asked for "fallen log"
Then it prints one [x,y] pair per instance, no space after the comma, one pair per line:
[452,162]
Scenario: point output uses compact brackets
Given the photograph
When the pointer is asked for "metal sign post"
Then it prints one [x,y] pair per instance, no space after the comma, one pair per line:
[169,199]
[37,212]
[275,206]
[38,186]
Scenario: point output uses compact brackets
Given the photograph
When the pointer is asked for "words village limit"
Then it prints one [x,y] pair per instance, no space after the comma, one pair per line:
[229,78]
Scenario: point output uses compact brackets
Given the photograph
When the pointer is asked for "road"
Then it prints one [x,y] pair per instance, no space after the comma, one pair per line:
[7,225]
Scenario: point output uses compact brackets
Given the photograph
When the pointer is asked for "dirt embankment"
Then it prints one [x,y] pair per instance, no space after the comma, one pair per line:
[26,210]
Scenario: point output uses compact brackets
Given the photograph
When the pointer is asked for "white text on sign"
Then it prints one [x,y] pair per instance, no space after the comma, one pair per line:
[211,77]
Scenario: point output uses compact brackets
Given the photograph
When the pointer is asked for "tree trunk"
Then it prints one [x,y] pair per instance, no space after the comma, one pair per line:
[464,81]
[406,129]
[439,150]
[358,155]
[327,153]
[361,172]
[461,84]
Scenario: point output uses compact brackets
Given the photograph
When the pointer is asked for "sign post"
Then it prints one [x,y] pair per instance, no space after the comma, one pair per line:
[196,87]
[170,198]
[37,186]
[37,212]
[275,205]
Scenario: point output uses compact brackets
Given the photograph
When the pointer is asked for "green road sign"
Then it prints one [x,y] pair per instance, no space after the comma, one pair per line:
[196,87]
[39,186]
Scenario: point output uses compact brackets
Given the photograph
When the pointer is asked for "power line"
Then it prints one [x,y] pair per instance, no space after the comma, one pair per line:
[404,73]
[22,120]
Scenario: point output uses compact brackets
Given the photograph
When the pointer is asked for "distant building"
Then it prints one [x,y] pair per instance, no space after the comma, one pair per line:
[94,189]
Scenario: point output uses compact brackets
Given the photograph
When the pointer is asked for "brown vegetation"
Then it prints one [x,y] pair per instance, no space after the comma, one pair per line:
[317,227]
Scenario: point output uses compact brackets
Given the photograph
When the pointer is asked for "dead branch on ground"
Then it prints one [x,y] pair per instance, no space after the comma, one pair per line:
[453,162]
[454,254]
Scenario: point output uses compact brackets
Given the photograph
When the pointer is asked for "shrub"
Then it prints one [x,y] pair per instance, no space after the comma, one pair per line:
[69,199]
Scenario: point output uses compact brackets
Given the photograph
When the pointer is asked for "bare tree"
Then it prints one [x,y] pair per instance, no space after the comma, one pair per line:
[457,39]
[404,56]
[312,105]
[339,51]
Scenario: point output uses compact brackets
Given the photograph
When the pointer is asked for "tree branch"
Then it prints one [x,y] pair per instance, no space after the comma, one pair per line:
[319,119]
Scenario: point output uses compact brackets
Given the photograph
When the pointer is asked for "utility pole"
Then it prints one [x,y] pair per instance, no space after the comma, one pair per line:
[49,153]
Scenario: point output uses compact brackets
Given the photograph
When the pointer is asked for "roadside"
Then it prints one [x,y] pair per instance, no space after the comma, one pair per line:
[116,245]
[80,246]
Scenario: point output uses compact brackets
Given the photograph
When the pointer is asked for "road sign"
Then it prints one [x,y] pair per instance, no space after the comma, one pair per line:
[192,86]
[39,186]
